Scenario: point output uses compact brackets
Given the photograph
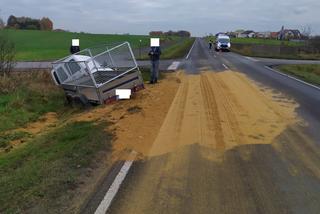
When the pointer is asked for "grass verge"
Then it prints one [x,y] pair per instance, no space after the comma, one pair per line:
[39,176]
[246,51]
[5,139]
[175,51]
[26,96]
[145,72]
[178,50]
[308,73]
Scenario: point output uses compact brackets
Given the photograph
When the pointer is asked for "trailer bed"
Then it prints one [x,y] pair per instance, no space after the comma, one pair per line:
[99,76]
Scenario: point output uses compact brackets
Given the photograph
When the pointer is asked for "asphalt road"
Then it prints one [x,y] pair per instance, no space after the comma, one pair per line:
[186,174]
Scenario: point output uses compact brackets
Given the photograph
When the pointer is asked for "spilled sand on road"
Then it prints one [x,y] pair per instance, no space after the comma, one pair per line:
[223,110]
[136,122]
[217,110]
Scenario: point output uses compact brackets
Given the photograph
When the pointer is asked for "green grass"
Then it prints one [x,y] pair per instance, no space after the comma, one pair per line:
[33,45]
[25,97]
[308,73]
[248,51]
[40,174]
[178,50]
[145,72]
[5,139]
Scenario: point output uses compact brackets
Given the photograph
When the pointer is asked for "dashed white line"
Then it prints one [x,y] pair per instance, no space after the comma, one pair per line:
[291,77]
[114,188]
[226,67]
[174,66]
[187,57]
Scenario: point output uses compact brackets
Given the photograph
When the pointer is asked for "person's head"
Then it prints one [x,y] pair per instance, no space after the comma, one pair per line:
[154,42]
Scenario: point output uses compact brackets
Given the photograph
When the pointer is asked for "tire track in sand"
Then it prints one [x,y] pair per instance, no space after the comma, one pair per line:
[211,111]
[229,106]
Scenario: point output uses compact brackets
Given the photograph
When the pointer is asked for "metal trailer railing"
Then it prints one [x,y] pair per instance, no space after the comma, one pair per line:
[93,75]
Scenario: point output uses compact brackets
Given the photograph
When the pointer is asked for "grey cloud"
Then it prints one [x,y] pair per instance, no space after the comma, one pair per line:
[141,16]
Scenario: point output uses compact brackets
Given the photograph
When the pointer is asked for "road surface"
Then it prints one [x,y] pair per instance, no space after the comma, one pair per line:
[238,138]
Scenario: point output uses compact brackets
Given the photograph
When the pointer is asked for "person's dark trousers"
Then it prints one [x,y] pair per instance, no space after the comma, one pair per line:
[154,71]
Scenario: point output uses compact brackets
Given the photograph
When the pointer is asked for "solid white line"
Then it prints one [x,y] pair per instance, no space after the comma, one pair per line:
[291,77]
[226,67]
[114,188]
[191,48]
[252,59]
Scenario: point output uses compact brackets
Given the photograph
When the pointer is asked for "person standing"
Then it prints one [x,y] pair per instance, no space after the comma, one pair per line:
[154,54]
[210,44]
[75,46]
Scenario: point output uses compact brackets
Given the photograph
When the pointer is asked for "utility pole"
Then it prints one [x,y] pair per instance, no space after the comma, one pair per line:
[140,48]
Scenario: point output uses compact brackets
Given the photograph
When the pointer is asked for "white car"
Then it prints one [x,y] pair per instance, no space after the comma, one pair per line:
[223,43]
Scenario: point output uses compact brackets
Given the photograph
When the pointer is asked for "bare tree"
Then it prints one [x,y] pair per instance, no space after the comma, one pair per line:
[2,25]
[306,31]
[7,55]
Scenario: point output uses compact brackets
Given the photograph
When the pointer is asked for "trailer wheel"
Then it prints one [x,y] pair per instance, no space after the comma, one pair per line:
[79,100]
[69,99]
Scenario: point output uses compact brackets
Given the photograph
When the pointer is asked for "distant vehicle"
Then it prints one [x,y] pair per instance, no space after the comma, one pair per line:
[222,43]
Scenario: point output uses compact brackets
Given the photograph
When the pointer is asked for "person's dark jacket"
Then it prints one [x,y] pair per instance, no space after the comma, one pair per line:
[155,53]
[74,49]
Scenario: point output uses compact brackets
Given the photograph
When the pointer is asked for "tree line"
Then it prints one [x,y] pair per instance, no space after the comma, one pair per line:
[27,23]
[181,33]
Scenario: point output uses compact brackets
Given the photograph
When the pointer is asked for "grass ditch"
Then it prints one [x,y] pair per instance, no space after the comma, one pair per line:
[42,175]
[308,73]
[25,96]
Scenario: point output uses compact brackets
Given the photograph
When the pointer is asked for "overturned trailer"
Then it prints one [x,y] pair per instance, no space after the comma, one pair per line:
[94,74]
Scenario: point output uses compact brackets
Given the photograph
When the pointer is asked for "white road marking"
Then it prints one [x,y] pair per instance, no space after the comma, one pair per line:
[291,77]
[114,188]
[226,67]
[174,66]
[191,49]
[252,59]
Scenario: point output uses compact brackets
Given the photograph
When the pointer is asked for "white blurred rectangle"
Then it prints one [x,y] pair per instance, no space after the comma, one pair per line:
[155,42]
[75,42]
[123,94]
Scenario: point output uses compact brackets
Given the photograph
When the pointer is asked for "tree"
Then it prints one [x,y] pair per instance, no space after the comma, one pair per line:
[7,55]
[12,21]
[46,24]
[183,33]
[2,25]
[306,31]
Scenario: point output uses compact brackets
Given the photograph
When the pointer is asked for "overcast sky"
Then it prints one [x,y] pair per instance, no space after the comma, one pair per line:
[141,16]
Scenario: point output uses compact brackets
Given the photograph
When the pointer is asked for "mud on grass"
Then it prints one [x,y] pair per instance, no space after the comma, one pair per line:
[41,176]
